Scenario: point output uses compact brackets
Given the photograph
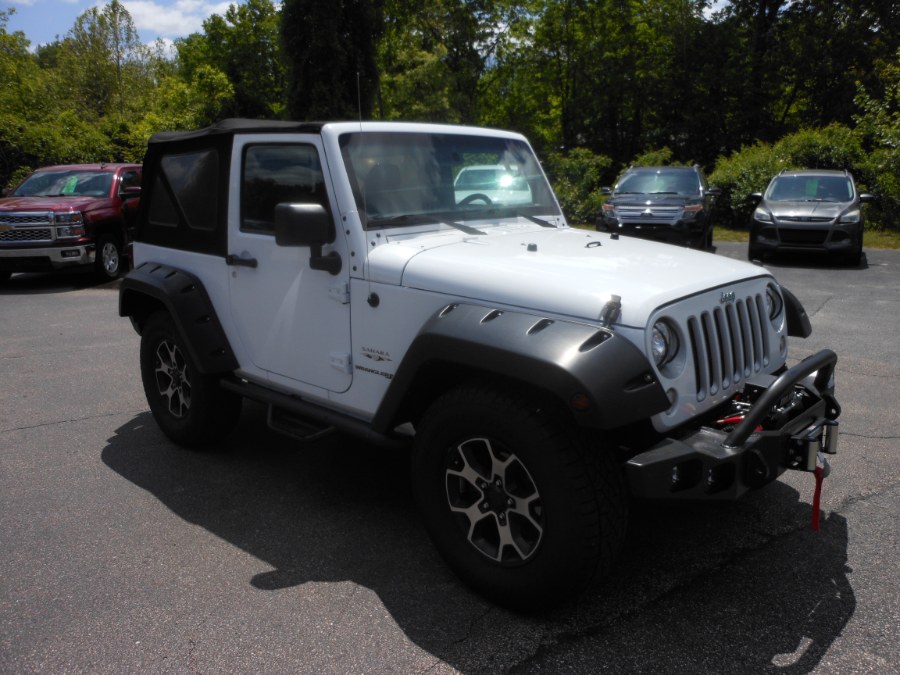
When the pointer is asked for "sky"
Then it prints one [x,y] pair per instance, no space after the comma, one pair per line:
[43,21]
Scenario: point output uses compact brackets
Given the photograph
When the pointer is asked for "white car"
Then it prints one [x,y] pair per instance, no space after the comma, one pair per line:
[543,376]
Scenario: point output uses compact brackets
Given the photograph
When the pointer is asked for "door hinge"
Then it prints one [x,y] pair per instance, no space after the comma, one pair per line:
[340,292]
[341,361]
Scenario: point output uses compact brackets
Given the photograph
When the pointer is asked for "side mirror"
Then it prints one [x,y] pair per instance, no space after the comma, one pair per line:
[715,191]
[130,192]
[866,197]
[307,225]
[605,191]
[755,197]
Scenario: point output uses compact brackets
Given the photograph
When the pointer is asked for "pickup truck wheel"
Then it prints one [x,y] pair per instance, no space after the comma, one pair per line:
[191,408]
[516,503]
[109,258]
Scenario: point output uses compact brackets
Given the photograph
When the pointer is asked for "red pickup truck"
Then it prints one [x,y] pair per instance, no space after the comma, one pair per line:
[68,216]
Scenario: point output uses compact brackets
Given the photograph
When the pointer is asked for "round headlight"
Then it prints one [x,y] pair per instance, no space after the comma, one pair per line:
[663,343]
[774,303]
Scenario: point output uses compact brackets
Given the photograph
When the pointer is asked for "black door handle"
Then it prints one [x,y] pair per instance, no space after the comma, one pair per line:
[237,261]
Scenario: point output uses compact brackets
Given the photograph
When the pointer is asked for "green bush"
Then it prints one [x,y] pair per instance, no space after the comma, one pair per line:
[660,157]
[746,171]
[831,147]
[879,173]
[576,177]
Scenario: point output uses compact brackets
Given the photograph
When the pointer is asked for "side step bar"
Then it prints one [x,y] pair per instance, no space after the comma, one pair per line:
[307,421]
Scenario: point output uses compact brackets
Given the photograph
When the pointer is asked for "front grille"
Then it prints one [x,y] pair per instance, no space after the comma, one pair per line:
[645,213]
[789,236]
[805,219]
[26,226]
[26,234]
[26,218]
[729,344]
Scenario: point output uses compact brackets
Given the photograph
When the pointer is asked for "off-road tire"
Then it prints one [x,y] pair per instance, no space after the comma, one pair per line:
[574,496]
[191,408]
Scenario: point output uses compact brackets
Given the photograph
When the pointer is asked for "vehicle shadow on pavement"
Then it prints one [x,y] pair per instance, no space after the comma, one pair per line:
[53,282]
[700,588]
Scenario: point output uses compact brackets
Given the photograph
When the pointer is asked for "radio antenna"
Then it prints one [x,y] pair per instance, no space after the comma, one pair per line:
[358,100]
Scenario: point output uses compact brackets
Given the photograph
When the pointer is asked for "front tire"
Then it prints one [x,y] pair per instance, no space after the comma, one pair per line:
[190,408]
[108,261]
[513,499]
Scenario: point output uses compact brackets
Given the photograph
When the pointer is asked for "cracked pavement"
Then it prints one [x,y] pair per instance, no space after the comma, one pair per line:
[122,553]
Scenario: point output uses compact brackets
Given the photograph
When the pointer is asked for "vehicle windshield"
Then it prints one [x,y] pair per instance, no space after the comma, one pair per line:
[410,178]
[659,181]
[66,183]
[810,189]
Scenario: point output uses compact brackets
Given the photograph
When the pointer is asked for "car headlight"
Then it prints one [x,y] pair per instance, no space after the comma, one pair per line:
[774,304]
[69,225]
[851,216]
[663,343]
[762,215]
[691,211]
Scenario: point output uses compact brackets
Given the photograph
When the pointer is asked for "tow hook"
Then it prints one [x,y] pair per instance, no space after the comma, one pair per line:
[820,472]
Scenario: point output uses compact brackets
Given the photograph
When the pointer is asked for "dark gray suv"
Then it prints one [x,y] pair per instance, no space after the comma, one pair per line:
[665,203]
[811,210]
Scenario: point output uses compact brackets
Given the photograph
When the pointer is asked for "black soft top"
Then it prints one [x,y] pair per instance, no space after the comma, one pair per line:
[237,125]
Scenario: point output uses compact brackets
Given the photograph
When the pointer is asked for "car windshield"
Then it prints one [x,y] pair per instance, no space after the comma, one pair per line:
[66,183]
[659,181]
[410,178]
[810,189]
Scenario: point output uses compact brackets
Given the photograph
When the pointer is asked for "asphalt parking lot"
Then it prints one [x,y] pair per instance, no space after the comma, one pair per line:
[121,553]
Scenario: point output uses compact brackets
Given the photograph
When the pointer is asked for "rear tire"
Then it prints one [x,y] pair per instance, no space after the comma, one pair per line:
[190,408]
[513,499]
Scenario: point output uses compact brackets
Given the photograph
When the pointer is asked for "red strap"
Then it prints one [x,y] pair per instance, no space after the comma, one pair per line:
[820,476]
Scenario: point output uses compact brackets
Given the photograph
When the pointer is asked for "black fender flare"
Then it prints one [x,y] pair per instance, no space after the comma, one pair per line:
[185,298]
[601,377]
[798,324]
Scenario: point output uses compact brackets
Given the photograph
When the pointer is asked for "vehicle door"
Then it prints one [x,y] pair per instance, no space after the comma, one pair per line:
[292,321]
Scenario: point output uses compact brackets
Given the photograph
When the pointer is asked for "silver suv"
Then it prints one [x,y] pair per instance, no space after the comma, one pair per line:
[810,210]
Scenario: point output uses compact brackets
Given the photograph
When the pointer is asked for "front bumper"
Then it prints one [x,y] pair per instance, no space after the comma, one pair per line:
[46,258]
[670,232]
[789,421]
[827,238]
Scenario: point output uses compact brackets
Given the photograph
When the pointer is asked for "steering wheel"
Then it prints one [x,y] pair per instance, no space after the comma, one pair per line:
[475,197]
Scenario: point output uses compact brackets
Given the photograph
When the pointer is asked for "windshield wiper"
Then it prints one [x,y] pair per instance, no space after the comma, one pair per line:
[534,219]
[662,193]
[422,219]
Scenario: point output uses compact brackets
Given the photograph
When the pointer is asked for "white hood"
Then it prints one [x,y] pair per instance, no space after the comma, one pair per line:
[565,271]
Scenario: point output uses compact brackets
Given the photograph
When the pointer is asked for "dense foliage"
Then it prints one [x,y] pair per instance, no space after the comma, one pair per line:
[744,88]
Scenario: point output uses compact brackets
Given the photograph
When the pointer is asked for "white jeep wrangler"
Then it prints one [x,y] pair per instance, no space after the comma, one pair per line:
[542,375]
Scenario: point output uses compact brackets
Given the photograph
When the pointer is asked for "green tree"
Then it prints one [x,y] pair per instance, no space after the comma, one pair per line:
[330,52]
[433,55]
[244,45]
[102,59]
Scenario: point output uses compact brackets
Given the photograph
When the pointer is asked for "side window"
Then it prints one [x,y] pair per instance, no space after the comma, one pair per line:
[193,178]
[130,179]
[274,174]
